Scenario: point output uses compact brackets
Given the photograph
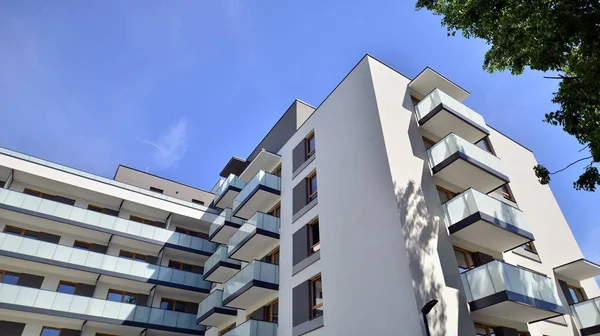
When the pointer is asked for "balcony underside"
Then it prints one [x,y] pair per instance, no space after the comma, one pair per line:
[221,272]
[515,307]
[255,245]
[442,120]
[261,199]
[485,230]
[591,331]
[218,316]
[226,199]
[466,172]
[254,293]
[223,233]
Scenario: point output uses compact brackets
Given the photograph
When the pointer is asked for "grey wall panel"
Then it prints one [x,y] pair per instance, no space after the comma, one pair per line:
[298,155]
[30,280]
[300,245]
[299,196]
[191,307]
[197,269]
[142,299]
[85,290]
[11,328]
[301,303]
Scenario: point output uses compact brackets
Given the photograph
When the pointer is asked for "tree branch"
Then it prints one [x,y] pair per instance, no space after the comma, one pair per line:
[570,164]
[561,77]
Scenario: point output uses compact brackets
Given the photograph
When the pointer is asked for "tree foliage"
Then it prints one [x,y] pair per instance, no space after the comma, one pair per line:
[561,37]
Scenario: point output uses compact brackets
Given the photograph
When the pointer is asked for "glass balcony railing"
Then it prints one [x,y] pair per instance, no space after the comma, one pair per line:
[261,178]
[497,276]
[219,255]
[225,216]
[452,143]
[254,328]
[587,313]
[106,223]
[472,201]
[86,308]
[214,300]
[255,270]
[102,263]
[437,97]
[101,179]
[260,221]
[230,181]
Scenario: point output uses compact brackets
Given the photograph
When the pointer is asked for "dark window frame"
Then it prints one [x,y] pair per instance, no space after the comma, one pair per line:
[309,145]
[315,307]
[123,295]
[174,264]
[156,190]
[197,201]
[66,283]
[313,246]
[311,195]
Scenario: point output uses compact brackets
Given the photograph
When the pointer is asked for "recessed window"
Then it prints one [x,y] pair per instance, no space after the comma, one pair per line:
[191,232]
[197,201]
[272,311]
[530,247]
[133,256]
[81,245]
[277,171]
[121,296]
[48,331]
[8,277]
[444,194]
[43,195]
[17,231]
[505,192]
[414,100]
[464,259]
[156,190]
[428,143]
[145,221]
[309,145]
[180,266]
[66,287]
[576,294]
[99,209]
[227,329]
[276,210]
[485,144]
[484,330]
[272,258]
[314,237]
[175,305]
[316,296]
[311,184]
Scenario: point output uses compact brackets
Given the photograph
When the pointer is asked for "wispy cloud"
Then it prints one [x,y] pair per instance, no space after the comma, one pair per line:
[170,147]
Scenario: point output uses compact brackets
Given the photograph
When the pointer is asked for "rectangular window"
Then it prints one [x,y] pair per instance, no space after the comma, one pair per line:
[444,194]
[272,311]
[428,143]
[156,190]
[464,259]
[48,331]
[17,231]
[191,232]
[133,256]
[272,258]
[197,201]
[277,171]
[170,304]
[311,184]
[309,145]
[314,237]
[180,266]
[55,198]
[485,144]
[103,210]
[414,100]
[576,294]
[484,330]
[227,329]
[316,296]
[81,245]
[9,277]
[530,247]
[66,287]
[507,193]
[121,296]
[276,210]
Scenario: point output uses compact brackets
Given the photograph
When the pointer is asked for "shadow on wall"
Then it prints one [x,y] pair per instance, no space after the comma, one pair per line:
[420,234]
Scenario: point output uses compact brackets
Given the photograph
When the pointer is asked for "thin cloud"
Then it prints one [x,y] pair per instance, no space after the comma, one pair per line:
[170,147]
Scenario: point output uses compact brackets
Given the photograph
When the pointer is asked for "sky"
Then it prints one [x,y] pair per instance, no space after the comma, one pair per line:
[178,87]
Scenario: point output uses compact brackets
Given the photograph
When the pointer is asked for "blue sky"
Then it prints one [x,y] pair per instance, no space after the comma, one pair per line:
[178,87]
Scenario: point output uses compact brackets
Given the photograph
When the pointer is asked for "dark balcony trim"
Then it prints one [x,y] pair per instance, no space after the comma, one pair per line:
[226,223]
[257,189]
[454,113]
[517,298]
[589,331]
[85,317]
[257,231]
[252,283]
[216,310]
[220,263]
[473,218]
[229,188]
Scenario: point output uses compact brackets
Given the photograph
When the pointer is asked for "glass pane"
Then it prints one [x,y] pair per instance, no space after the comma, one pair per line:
[166,305]
[14,231]
[116,297]
[275,312]
[483,144]
[140,258]
[317,292]
[10,278]
[129,298]
[576,294]
[442,195]
[186,267]
[313,184]
[180,306]
[50,332]
[66,288]
[29,234]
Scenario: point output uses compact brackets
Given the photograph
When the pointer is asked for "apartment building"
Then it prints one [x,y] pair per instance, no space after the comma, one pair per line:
[347,219]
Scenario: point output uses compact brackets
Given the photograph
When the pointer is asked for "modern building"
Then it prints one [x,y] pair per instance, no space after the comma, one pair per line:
[347,219]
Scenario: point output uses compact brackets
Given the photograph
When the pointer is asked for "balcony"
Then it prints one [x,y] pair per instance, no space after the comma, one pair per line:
[440,114]
[51,210]
[227,191]
[224,227]
[260,194]
[218,268]
[587,314]
[56,304]
[212,313]
[254,328]
[465,165]
[483,220]
[98,263]
[253,286]
[257,237]
[509,292]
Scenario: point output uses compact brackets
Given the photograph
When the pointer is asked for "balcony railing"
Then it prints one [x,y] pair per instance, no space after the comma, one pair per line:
[211,311]
[217,260]
[261,181]
[256,272]
[588,314]
[102,222]
[254,328]
[233,182]
[85,308]
[224,226]
[59,255]
[260,224]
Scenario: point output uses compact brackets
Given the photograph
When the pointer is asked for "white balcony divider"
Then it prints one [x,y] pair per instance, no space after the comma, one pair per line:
[452,143]
[260,220]
[437,97]
[219,255]
[231,180]
[587,312]
[255,270]
[101,179]
[254,328]
[226,215]
[261,178]
[91,308]
[118,225]
[472,201]
[214,300]
[497,276]
[99,261]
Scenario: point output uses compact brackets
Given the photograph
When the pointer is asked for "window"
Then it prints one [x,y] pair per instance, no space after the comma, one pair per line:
[273,257]
[156,190]
[316,296]
[576,294]
[55,198]
[180,266]
[484,330]
[47,331]
[132,256]
[428,143]
[191,232]
[309,145]
[227,329]
[276,211]
[66,287]
[81,245]
[444,194]
[175,305]
[485,145]
[17,231]
[9,277]
[2,183]
[506,192]
[415,100]
[530,247]
[314,238]
[121,296]
[197,201]
[272,311]
[464,259]
[277,171]
[311,184]
[103,210]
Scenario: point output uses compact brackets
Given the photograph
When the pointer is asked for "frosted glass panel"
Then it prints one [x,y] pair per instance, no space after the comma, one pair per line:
[254,328]
[437,97]
[261,178]
[452,143]
[256,270]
